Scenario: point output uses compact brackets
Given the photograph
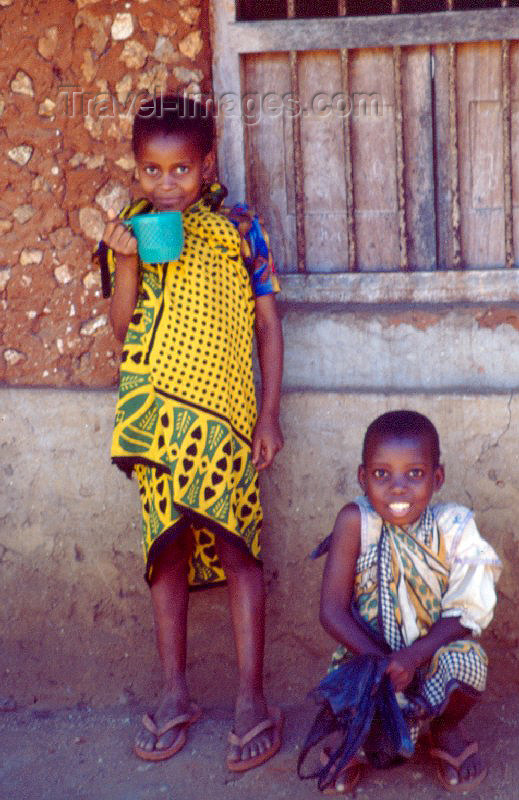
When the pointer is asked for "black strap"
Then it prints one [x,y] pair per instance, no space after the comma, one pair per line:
[102,255]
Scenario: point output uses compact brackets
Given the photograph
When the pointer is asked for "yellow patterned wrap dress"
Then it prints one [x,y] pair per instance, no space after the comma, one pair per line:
[186,408]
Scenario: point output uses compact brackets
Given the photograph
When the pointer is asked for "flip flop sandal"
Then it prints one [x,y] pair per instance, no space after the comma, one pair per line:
[275,722]
[457,762]
[354,768]
[183,721]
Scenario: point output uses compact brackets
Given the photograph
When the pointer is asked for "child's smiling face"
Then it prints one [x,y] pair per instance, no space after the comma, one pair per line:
[171,171]
[399,477]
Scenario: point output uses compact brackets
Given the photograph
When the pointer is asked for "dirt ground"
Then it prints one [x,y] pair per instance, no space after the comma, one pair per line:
[85,754]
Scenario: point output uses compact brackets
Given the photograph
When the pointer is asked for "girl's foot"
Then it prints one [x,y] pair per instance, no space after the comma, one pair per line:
[245,751]
[345,779]
[346,782]
[459,764]
[173,705]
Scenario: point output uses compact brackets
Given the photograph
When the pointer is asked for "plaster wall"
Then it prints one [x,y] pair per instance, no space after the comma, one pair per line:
[75,616]
[415,349]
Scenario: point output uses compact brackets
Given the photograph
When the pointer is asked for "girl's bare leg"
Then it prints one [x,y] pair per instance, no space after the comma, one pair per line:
[247,605]
[169,597]
[446,734]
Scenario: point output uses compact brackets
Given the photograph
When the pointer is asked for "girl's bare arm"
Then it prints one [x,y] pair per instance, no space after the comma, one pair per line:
[338,582]
[405,662]
[124,298]
[268,439]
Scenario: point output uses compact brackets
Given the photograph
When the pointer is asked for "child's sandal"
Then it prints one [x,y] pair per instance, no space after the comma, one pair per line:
[457,762]
[347,777]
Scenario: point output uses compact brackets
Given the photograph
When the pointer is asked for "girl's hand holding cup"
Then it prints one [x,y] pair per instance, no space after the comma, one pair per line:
[119,237]
[155,237]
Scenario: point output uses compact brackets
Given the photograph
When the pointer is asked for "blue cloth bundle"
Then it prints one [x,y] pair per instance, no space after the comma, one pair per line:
[358,700]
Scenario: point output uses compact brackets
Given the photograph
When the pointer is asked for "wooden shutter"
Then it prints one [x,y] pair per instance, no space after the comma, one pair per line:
[421,175]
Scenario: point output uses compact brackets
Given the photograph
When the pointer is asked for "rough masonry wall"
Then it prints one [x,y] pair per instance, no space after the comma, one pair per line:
[69,79]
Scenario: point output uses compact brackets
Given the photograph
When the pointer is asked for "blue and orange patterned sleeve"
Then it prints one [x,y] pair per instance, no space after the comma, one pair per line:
[255,249]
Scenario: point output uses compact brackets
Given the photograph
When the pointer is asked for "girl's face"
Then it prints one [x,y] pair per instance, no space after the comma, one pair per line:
[171,171]
[399,477]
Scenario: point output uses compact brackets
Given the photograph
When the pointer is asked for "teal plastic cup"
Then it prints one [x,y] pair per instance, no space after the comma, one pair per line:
[160,235]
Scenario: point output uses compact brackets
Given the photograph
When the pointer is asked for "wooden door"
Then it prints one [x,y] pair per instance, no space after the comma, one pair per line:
[397,155]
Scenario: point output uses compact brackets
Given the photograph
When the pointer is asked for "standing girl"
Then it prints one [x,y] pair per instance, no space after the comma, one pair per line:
[186,420]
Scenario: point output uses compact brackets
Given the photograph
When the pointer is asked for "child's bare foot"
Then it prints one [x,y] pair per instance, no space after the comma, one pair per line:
[256,736]
[174,712]
[459,764]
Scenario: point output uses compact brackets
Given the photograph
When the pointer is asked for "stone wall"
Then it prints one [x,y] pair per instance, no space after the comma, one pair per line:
[70,76]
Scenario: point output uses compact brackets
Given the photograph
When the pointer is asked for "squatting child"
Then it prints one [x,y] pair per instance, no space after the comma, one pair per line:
[186,420]
[414,581]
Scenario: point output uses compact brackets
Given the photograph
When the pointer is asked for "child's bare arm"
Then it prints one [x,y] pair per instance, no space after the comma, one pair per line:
[268,439]
[338,582]
[405,662]
[120,239]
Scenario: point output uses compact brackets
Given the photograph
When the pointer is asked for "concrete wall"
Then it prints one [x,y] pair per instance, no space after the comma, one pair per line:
[75,617]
